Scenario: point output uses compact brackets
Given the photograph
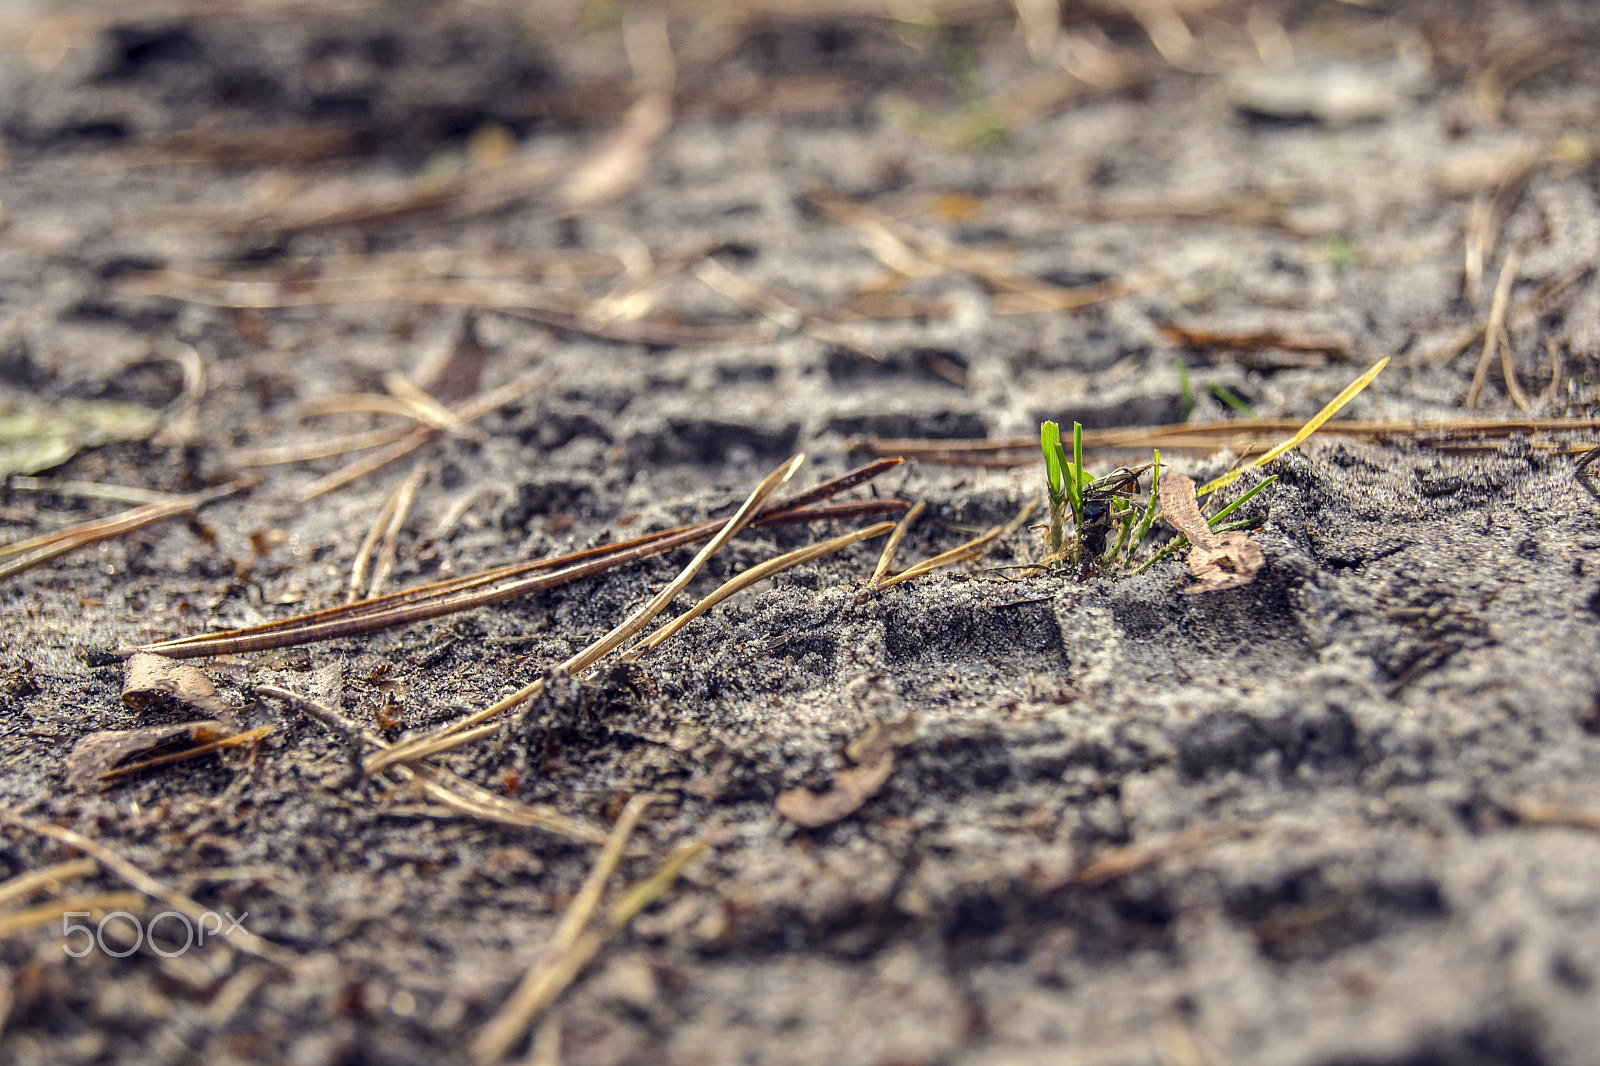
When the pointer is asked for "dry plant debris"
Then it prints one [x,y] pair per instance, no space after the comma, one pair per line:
[513,580]
[1217,560]
[873,756]
[453,735]
[246,941]
[1044,733]
[148,678]
[23,555]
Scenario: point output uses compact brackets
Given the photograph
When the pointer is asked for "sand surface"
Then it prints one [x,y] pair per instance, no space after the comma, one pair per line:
[1335,816]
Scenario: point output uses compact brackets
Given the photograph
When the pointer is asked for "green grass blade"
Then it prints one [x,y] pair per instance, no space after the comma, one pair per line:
[1075,480]
[1232,399]
[1150,509]
[1241,501]
[1187,391]
[1050,444]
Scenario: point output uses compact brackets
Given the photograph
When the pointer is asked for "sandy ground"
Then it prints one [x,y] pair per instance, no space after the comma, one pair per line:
[1338,814]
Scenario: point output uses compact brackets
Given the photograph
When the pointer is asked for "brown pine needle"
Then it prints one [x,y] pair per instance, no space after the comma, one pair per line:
[27,554]
[1497,322]
[972,549]
[26,884]
[749,577]
[492,1043]
[403,498]
[464,593]
[420,747]
[245,941]
[442,786]
[464,413]
[511,1022]
[886,560]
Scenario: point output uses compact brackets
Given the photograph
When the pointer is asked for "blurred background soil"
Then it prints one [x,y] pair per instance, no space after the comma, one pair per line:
[1349,813]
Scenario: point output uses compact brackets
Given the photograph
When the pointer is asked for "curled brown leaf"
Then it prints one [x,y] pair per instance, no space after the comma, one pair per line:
[1217,560]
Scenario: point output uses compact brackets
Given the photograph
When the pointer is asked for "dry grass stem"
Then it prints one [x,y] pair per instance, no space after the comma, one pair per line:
[916,254]
[91,490]
[50,913]
[556,310]
[1241,437]
[1508,370]
[784,315]
[245,941]
[419,404]
[443,787]
[320,449]
[464,413]
[1123,861]
[403,497]
[439,740]
[1551,814]
[358,565]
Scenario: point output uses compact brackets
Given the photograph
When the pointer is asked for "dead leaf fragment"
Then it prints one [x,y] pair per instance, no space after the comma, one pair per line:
[873,753]
[97,753]
[1217,560]
[149,678]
